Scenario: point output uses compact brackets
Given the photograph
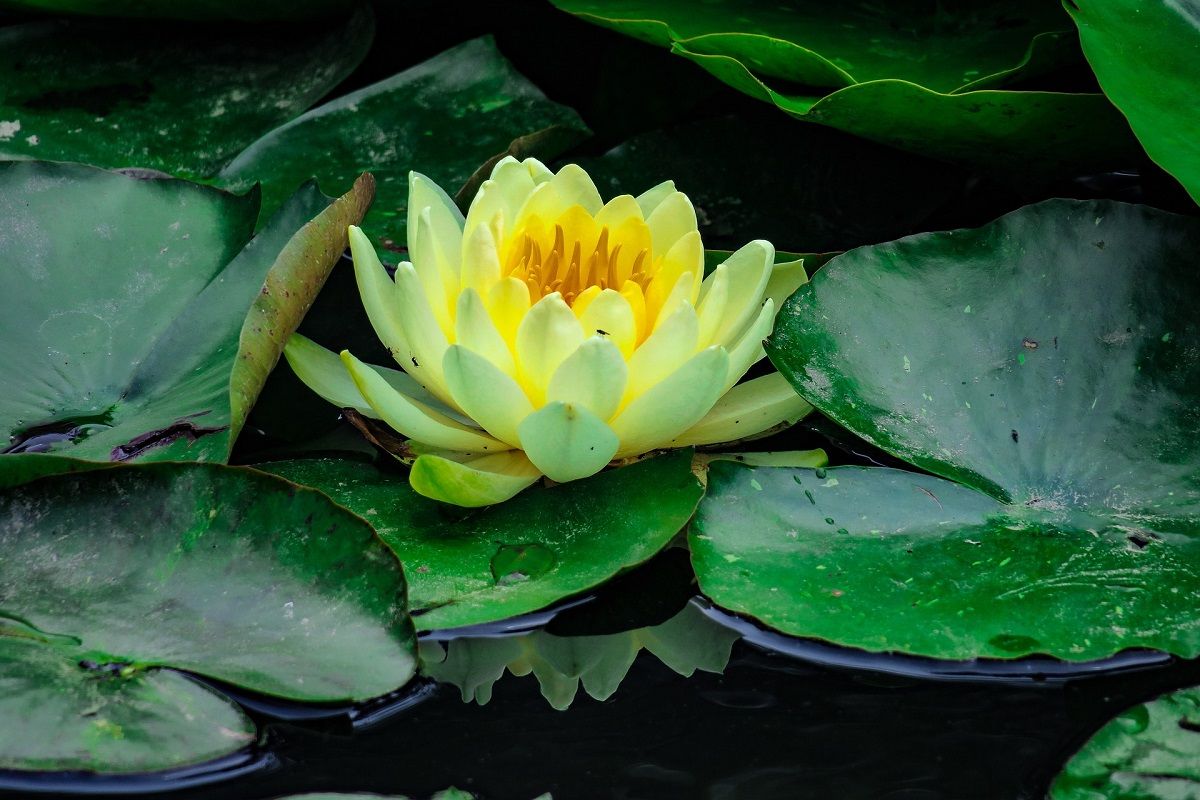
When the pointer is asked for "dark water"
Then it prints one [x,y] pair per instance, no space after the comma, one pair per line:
[813,722]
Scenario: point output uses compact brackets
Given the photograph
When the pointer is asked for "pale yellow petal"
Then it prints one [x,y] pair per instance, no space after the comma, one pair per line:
[664,351]
[672,405]
[618,211]
[632,292]
[489,207]
[677,299]
[611,315]
[748,271]
[472,483]
[475,330]
[508,302]
[673,217]
[413,418]
[653,197]
[546,336]
[593,377]
[426,341]
[585,299]
[685,256]
[575,187]
[714,302]
[785,280]
[567,442]
[746,411]
[480,261]
[432,267]
[447,220]
[486,394]
[378,295]
[748,350]
[544,202]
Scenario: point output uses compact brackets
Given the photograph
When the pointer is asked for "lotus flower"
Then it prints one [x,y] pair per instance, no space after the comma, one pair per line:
[551,333]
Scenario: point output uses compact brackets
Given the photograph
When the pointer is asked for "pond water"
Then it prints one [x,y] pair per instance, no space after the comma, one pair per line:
[785,719]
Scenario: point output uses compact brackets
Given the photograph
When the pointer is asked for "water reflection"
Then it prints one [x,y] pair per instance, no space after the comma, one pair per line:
[687,642]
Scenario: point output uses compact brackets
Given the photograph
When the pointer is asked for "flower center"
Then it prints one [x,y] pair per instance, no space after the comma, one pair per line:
[576,252]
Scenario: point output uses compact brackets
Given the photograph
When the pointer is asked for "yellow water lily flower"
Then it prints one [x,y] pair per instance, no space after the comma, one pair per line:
[551,333]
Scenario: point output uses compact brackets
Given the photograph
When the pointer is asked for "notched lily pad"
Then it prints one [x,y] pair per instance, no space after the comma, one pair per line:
[1050,360]
[1149,752]
[467,567]
[111,579]
[124,303]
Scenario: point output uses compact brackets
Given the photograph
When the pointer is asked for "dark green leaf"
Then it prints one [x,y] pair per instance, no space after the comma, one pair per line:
[174,98]
[1150,752]
[1146,54]
[1050,360]
[472,566]
[122,302]
[441,118]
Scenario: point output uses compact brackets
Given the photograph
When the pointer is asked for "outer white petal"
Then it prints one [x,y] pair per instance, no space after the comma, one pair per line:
[748,270]
[426,341]
[476,482]
[486,394]
[672,406]
[785,280]
[653,197]
[748,350]
[475,330]
[378,295]
[546,336]
[673,217]
[593,377]
[747,410]
[423,193]
[566,441]
[413,418]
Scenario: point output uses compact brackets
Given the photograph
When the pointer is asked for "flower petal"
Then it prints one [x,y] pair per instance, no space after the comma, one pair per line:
[785,280]
[475,331]
[475,482]
[324,373]
[377,292]
[566,441]
[486,394]
[673,217]
[748,271]
[686,255]
[508,302]
[426,341]
[546,336]
[679,297]
[714,300]
[575,187]
[423,193]
[432,266]
[611,315]
[747,410]
[673,405]
[653,197]
[593,377]
[480,261]
[671,344]
[413,418]
[748,350]
[618,211]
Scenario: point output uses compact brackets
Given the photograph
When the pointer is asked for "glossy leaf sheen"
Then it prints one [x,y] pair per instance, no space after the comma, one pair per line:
[1050,360]
[443,117]
[1146,54]
[1149,752]
[483,565]
[174,98]
[140,363]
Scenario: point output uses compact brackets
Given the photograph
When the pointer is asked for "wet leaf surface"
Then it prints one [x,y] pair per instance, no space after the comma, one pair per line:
[176,98]
[467,567]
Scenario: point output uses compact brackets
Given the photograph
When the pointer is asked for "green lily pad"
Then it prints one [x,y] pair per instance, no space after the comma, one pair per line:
[919,79]
[1146,55]
[1050,360]
[1149,752]
[442,118]
[188,9]
[467,567]
[124,310]
[179,99]
[110,579]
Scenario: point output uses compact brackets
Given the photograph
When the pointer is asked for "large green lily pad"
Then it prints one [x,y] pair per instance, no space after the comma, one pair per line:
[1049,360]
[467,567]
[1149,752]
[441,118]
[110,579]
[1146,54]
[175,98]
[906,75]
[124,302]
